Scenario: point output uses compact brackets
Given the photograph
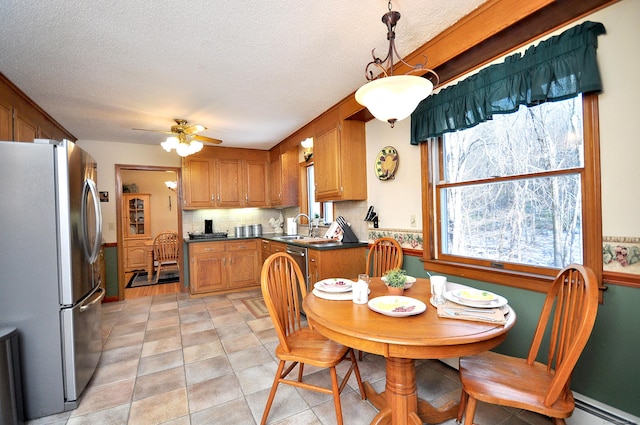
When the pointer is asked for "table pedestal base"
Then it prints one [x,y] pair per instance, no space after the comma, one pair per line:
[399,403]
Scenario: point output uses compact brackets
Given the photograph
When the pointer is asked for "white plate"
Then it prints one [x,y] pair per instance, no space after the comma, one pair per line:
[497,302]
[334,284]
[472,295]
[408,284]
[334,296]
[397,306]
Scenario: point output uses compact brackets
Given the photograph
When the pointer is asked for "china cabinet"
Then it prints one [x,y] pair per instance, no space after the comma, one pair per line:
[136,229]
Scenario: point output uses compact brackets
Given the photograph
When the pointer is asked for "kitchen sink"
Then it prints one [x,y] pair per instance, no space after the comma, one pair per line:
[304,239]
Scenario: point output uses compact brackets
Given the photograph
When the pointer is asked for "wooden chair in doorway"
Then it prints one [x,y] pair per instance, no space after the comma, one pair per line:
[283,288]
[385,254]
[569,312]
[166,251]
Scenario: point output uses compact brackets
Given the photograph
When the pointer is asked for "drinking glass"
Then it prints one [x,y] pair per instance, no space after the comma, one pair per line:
[360,289]
[438,286]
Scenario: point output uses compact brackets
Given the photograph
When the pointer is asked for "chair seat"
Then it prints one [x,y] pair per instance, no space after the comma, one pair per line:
[309,347]
[509,381]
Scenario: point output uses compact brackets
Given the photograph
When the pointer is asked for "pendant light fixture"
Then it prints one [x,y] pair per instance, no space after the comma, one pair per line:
[391,97]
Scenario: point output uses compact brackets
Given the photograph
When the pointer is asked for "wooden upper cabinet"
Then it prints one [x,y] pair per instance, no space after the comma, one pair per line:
[24,130]
[283,178]
[22,120]
[339,152]
[220,177]
[198,182]
[6,123]
[229,183]
[256,183]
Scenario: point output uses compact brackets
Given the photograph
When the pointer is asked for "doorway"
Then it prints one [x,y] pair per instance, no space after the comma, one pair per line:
[164,214]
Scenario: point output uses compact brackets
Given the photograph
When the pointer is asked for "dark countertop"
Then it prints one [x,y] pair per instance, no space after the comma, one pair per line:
[324,246]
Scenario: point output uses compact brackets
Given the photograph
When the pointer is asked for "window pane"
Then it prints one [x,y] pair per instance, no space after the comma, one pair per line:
[546,137]
[534,221]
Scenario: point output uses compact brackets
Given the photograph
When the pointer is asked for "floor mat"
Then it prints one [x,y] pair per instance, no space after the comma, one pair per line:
[140,279]
[257,307]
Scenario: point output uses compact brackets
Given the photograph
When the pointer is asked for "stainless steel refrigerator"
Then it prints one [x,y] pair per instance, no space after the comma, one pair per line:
[50,238]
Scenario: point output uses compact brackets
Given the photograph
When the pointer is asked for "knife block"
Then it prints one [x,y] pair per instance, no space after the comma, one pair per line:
[347,234]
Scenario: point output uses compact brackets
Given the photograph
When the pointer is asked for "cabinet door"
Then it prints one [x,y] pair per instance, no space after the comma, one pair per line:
[346,263]
[327,163]
[136,257]
[229,183]
[207,272]
[275,181]
[256,183]
[136,210]
[198,187]
[24,129]
[244,269]
[6,123]
[136,254]
[314,269]
[290,179]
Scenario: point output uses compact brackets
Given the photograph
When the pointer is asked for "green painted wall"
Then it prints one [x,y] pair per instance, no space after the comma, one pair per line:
[607,370]
[111,263]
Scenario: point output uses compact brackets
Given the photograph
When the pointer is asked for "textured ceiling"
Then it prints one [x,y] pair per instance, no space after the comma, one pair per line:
[252,71]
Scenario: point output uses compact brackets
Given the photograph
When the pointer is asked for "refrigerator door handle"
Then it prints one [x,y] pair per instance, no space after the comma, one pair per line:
[86,306]
[91,252]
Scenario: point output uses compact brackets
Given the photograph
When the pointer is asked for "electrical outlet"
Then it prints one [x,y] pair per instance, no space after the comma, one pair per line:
[412,220]
[112,226]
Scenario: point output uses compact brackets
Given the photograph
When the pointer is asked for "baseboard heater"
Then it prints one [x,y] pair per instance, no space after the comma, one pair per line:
[587,411]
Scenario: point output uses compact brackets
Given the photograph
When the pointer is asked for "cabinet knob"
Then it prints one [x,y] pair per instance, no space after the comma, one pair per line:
[213,196]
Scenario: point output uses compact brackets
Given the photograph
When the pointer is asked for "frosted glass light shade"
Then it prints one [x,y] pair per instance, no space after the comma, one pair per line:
[394,98]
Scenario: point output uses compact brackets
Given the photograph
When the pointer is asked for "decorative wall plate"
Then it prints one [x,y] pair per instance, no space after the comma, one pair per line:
[386,163]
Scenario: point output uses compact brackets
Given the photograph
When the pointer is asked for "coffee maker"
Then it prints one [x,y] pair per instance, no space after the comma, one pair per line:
[208,226]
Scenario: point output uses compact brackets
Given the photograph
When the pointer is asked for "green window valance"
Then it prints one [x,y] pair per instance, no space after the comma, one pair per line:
[556,69]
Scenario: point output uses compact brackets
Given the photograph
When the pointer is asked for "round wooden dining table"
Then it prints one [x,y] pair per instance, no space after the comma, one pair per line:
[402,340]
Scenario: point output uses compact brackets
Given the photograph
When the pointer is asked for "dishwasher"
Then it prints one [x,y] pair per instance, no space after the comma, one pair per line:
[299,255]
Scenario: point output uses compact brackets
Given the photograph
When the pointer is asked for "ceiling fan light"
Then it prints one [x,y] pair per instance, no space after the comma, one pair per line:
[170,143]
[196,146]
[183,149]
[394,98]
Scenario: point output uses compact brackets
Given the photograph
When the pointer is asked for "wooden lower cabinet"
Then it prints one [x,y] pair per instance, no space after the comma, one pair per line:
[271,247]
[223,266]
[344,262]
[135,254]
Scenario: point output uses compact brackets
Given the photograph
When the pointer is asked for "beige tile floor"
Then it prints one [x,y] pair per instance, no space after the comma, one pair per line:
[169,359]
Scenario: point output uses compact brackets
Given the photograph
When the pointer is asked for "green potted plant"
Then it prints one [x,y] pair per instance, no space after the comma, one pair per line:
[396,279]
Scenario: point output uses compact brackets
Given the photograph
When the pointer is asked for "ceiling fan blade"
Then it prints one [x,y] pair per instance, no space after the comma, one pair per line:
[196,128]
[206,139]
[155,131]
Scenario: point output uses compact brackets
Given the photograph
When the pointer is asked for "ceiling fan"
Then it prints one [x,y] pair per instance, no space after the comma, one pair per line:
[183,137]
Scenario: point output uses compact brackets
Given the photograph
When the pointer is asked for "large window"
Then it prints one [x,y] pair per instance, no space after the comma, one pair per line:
[516,193]
[509,190]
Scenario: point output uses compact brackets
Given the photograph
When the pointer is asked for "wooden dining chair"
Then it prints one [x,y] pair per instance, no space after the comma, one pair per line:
[567,318]
[283,288]
[385,254]
[166,250]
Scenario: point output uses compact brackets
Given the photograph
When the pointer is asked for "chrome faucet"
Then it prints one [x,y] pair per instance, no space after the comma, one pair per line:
[308,219]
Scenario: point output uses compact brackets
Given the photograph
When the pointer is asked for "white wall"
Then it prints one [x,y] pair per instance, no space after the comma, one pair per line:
[395,200]
[619,138]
